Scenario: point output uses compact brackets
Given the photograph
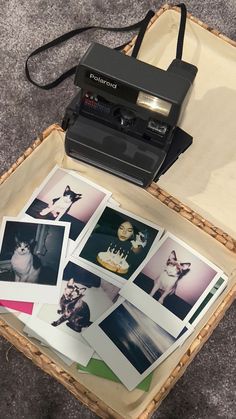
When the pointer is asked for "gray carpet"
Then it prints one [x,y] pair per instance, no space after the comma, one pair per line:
[207,389]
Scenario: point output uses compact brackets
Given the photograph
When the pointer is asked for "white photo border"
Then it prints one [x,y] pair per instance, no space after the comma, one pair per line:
[90,267]
[212,300]
[107,195]
[114,358]
[29,292]
[151,307]
[114,278]
[78,350]
[54,337]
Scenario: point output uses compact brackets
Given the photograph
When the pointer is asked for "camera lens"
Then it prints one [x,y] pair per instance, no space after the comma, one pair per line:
[125,117]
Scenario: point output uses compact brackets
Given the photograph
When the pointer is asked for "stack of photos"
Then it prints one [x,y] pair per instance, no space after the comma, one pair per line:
[88,288]
[91,280]
[84,297]
[174,288]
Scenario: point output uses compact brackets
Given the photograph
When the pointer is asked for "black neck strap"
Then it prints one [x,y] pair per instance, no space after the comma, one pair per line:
[182,25]
[142,24]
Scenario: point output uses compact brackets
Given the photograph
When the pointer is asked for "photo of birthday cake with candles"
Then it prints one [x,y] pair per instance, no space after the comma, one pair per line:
[114,259]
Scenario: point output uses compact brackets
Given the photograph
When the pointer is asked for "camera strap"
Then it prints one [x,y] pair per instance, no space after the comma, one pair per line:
[142,25]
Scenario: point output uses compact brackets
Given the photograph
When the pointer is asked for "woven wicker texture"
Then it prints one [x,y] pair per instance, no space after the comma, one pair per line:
[48,365]
[31,351]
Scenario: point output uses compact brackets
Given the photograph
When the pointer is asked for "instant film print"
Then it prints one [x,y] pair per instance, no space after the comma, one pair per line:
[20,306]
[32,255]
[84,298]
[67,197]
[172,284]
[130,343]
[210,298]
[31,334]
[5,310]
[118,243]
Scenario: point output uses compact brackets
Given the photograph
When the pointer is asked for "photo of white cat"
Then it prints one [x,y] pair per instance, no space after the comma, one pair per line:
[172,283]
[167,281]
[26,266]
[68,197]
[60,206]
[31,259]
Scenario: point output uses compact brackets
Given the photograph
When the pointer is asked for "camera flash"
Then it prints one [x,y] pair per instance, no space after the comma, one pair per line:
[153,103]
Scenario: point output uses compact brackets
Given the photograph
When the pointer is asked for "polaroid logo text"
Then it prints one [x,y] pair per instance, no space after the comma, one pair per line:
[102,81]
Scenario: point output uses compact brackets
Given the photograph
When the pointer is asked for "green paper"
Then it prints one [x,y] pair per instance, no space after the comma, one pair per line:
[100,369]
[207,299]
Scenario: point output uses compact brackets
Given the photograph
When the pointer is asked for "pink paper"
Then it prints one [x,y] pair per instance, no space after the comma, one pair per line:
[18,306]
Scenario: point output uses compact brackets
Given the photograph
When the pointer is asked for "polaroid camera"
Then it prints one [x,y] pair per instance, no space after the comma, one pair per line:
[125,115]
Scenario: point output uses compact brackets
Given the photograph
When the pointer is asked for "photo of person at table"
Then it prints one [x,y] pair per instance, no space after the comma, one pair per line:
[118,243]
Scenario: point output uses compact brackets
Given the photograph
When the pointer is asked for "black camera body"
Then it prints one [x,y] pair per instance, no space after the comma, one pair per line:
[125,115]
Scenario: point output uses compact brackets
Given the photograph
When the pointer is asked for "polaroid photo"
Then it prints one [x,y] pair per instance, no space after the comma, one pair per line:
[84,298]
[75,349]
[20,306]
[31,334]
[64,358]
[172,284]
[130,343]
[67,197]
[111,200]
[5,310]
[32,255]
[117,244]
[210,298]
[24,318]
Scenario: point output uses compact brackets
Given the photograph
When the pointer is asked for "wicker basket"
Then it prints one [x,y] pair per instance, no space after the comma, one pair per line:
[203,233]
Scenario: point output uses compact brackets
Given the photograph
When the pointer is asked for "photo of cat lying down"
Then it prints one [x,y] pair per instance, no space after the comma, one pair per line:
[66,197]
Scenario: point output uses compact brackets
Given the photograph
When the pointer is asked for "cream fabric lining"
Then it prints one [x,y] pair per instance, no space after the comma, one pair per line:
[187,181]
[204,177]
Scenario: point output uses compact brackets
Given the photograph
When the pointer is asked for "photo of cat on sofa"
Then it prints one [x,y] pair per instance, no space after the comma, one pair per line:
[31,255]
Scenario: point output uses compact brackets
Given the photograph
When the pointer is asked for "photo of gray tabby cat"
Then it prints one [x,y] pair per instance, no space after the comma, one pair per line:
[74,311]
[25,265]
